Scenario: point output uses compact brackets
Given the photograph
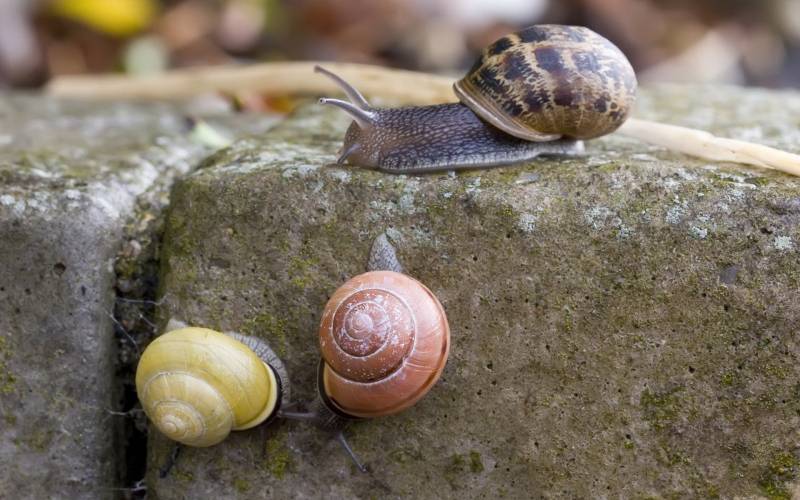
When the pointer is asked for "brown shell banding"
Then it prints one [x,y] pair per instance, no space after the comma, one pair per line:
[550,81]
[418,368]
[368,335]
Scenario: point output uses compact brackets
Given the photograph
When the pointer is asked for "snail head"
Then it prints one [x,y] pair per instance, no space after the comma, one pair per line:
[360,142]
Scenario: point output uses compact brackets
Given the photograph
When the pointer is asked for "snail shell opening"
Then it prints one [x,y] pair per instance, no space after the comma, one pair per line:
[197,385]
[384,339]
[549,81]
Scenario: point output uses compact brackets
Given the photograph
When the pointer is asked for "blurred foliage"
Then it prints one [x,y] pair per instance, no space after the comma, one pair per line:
[739,41]
[115,17]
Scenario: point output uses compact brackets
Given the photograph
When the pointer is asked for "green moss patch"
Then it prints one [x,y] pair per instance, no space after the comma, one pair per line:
[783,468]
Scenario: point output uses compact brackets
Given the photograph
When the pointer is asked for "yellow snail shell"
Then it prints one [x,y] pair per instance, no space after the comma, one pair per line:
[197,385]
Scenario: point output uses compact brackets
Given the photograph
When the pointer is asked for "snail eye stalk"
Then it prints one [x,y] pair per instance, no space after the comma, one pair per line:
[364,118]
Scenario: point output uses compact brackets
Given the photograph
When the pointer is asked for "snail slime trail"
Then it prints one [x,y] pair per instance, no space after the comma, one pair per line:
[536,92]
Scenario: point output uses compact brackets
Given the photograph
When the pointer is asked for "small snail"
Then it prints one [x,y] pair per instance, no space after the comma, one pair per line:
[196,384]
[384,339]
[538,91]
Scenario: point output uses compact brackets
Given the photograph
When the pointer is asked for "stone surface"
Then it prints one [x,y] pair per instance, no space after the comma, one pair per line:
[70,177]
[624,325]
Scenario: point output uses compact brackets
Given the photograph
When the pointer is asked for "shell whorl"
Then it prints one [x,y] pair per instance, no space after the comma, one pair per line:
[384,339]
[197,385]
[549,81]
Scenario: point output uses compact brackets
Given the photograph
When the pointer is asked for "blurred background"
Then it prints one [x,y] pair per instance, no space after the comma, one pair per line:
[752,42]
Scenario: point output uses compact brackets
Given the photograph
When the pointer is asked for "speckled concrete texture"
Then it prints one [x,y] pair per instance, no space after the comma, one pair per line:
[624,324]
[70,177]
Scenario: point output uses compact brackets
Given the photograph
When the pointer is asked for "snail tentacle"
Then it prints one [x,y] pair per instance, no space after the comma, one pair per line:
[351,92]
[347,152]
[365,119]
[340,437]
[327,418]
[327,421]
[172,459]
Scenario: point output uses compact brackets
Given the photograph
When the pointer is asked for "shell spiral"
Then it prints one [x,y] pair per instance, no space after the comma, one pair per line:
[549,81]
[384,339]
[196,385]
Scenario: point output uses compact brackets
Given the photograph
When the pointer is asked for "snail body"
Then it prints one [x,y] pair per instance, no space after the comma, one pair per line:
[196,385]
[535,92]
[440,137]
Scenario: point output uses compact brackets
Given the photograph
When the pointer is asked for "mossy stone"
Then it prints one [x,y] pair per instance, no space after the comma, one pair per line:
[624,324]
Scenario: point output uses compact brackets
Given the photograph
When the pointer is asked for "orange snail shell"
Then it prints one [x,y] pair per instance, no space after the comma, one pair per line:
[384,339]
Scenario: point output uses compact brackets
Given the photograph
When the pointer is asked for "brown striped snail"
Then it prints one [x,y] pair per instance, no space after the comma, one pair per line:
[538,91]
[384,339]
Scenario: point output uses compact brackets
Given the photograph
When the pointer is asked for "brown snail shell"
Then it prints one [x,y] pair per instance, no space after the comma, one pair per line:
[384,339]
[551,81]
